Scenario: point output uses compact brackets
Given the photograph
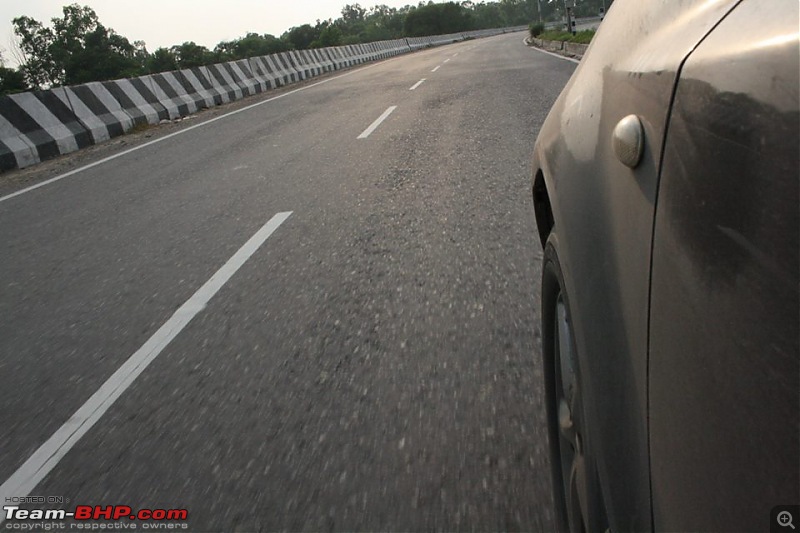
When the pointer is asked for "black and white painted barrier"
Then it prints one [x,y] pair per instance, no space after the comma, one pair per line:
[40,125]
[564,48]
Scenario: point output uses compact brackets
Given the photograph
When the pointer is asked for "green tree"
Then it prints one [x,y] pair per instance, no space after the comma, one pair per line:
[487,15]
[352,23]
[190,54]
[383,22]
[517,12]
[12,81]
[331,35]
[353,13]
[253,45]
[553,10]
[301,37]
[104,55]
[35,42]
[76,49]
[437,19]
[162,60]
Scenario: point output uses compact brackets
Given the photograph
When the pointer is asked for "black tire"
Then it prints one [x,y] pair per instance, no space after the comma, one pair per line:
[576,491]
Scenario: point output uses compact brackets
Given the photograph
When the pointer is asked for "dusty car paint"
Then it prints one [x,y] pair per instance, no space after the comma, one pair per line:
[602,216]
[724,367]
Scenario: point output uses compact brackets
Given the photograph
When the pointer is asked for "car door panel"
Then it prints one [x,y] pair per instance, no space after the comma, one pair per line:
[603,216]
[724,373]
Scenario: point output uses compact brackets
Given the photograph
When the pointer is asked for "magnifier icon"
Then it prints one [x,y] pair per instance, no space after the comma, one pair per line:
[785,519]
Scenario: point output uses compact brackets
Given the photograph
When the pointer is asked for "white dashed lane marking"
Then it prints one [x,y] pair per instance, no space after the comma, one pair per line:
[372,127]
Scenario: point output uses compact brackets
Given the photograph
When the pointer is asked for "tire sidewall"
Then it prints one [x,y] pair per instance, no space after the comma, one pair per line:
[552,285]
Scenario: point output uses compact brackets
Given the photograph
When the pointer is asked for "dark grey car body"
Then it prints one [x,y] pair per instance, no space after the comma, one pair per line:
[682,273]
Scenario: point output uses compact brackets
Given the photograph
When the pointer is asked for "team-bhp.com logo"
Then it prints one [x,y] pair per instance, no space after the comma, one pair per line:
[96,512]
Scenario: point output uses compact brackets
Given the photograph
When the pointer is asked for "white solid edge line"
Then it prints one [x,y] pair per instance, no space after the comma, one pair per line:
[437,68]
[374,125]
[420,82]
[559,56]
[190,128]
[43,460]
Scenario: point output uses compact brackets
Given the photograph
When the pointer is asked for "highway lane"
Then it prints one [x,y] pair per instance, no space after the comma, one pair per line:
[373,365]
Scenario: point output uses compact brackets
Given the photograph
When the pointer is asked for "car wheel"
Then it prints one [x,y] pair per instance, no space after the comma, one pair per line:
[576,490]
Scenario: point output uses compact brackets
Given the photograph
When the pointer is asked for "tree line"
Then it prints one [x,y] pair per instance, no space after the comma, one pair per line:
[77,48]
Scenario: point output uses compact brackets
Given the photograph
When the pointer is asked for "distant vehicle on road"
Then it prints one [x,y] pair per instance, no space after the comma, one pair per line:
[665,186]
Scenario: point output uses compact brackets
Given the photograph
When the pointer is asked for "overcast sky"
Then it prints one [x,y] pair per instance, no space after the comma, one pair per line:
[167,22]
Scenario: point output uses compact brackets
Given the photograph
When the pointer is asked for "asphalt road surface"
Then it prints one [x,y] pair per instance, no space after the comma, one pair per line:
[369,362]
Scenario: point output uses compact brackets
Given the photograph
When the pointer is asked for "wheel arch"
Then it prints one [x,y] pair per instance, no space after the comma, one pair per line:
[542,208]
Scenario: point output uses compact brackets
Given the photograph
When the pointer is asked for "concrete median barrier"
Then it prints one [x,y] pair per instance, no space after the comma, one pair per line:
[97,109]
[36,126]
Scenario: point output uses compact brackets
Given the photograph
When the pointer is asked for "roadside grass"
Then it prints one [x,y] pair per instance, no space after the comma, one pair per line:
[536,29]
[582,37]
[139,128]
